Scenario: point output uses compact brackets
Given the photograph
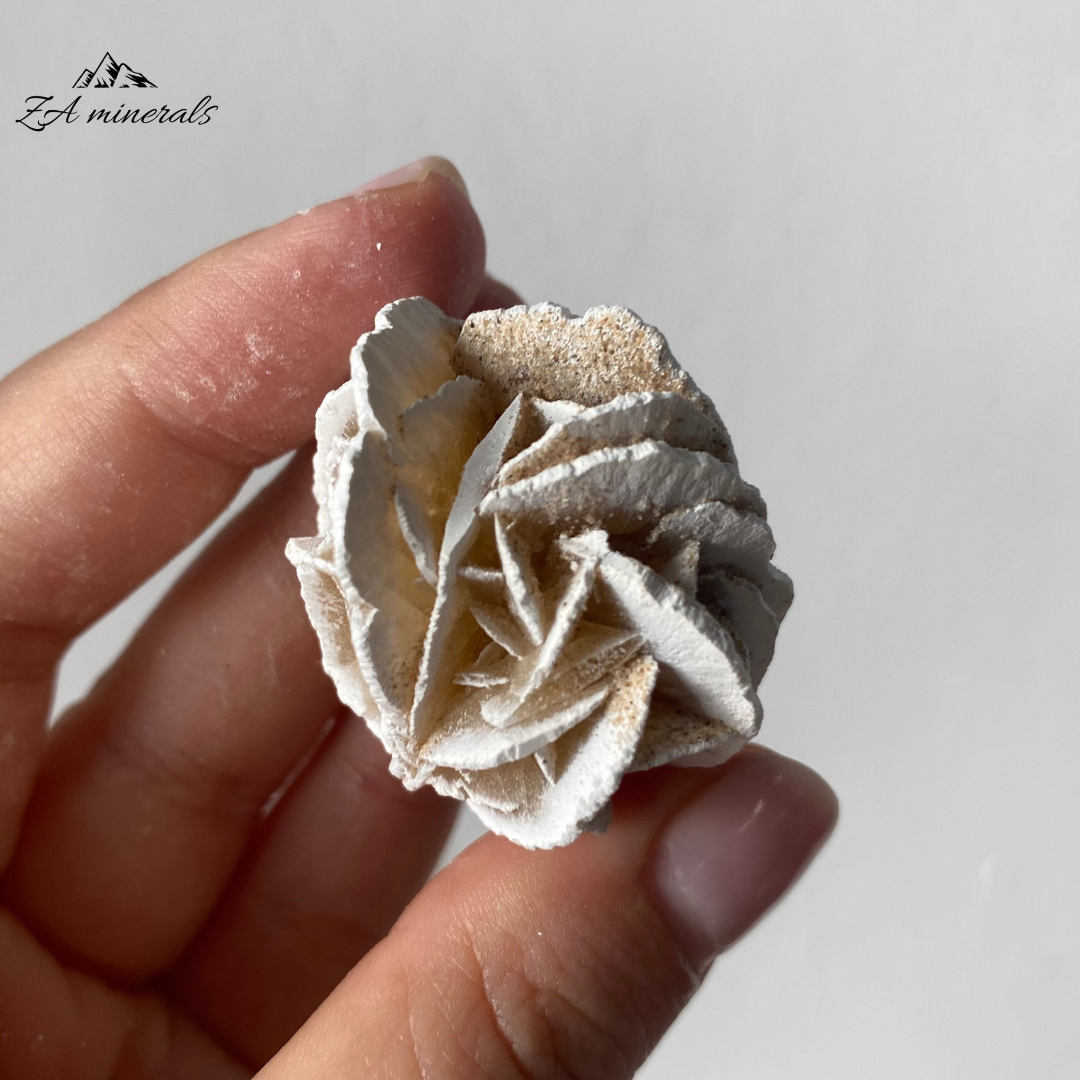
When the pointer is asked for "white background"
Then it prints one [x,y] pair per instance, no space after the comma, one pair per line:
[858,224]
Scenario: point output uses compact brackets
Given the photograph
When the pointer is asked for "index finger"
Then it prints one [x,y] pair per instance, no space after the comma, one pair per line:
[121,443]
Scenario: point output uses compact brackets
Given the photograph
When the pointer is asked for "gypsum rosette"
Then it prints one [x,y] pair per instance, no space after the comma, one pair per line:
[537,566]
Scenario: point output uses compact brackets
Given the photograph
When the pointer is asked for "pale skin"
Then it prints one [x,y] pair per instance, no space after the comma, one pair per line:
[157,923]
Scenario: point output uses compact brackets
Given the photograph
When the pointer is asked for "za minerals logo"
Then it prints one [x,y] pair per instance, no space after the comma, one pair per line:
[111,75]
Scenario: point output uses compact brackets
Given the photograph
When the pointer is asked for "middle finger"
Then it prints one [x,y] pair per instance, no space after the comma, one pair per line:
[152,785]
[344,852]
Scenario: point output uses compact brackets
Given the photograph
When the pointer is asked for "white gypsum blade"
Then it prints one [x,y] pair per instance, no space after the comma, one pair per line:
[519,801]
[621,489]
[538,665]
[466,741]
[441,648]
[626,419]
[700,663]
[523,594]
[404,358]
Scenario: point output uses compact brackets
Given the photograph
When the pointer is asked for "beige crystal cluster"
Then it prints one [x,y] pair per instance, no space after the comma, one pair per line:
[537,567]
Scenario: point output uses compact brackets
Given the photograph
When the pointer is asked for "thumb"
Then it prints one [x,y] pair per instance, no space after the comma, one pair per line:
[572,962]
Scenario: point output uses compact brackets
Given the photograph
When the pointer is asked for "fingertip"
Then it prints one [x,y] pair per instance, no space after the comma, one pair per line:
[728,853]
[415,225]
[257,333]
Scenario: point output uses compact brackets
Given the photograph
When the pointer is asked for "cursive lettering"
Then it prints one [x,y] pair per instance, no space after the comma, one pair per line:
[163,114]
[37,117]
[47,116]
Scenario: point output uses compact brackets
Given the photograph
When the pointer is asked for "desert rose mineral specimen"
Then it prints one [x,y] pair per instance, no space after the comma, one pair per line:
[537,567]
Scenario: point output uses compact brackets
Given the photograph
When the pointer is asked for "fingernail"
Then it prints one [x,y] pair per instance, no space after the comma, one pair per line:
[416,172]
[730,853]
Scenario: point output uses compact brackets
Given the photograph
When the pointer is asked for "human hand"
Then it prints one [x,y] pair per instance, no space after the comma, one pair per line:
[164,917]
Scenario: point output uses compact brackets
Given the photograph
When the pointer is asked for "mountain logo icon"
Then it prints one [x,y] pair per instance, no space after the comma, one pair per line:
[110,73]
